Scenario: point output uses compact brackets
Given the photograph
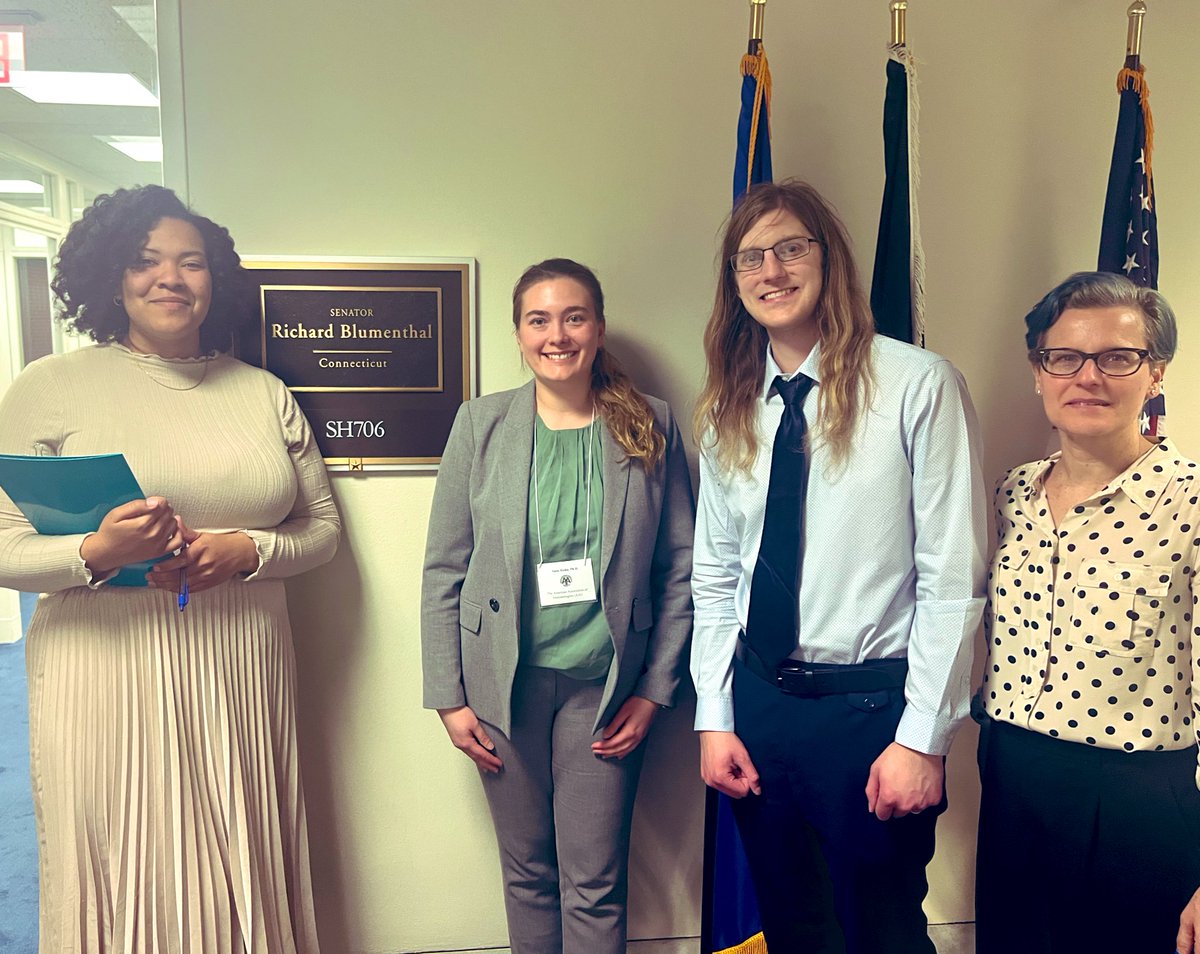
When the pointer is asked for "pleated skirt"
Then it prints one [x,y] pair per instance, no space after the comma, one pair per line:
[166,776]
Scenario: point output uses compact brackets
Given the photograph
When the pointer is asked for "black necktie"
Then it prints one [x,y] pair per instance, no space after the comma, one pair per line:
[774,588]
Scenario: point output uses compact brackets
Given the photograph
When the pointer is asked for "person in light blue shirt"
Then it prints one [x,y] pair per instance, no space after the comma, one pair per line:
[831,653]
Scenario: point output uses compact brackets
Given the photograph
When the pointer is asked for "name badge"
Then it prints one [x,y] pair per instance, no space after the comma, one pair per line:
[567,581]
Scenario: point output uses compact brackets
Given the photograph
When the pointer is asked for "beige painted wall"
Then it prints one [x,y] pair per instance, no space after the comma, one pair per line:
[510,131]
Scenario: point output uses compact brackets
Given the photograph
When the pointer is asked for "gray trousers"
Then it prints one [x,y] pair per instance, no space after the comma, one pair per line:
[562,820]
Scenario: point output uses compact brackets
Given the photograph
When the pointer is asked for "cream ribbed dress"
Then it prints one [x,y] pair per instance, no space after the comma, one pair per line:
[165,769]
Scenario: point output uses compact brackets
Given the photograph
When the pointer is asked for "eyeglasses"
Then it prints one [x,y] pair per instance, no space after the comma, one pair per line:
[1115,362]
[749,259]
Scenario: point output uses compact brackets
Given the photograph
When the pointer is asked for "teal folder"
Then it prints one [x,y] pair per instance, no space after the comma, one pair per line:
[61,495]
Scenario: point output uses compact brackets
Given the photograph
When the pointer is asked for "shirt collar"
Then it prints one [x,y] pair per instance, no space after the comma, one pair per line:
[1035,482]
[810,367]
[1146,491]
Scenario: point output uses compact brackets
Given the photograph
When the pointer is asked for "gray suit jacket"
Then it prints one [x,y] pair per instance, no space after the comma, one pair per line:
[474,558]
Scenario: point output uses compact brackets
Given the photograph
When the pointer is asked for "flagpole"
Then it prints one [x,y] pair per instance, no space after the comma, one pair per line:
[758,9]
[899,10]
[1133,42]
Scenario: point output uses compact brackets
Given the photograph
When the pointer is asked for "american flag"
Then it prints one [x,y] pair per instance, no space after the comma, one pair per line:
[1154,413]
[1129,233]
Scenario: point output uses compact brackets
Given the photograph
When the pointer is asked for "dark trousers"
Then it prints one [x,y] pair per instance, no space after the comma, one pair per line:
[1082,848]
[828,875]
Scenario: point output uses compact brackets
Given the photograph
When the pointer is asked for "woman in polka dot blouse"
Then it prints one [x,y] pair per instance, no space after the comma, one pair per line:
[1089,829]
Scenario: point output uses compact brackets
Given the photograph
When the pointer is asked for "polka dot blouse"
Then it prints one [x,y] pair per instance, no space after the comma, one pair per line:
[1090,625]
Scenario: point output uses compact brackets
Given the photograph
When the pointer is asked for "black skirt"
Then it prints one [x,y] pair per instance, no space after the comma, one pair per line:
[1082,848]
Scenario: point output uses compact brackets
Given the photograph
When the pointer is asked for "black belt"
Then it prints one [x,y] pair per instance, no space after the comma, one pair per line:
[798,678]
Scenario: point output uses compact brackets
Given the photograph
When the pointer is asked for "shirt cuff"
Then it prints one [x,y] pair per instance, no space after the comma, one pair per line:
[259,539]
[925,732]
[714,714]
[92,581]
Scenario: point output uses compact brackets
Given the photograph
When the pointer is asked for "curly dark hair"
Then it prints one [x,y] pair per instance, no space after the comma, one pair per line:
[108,239]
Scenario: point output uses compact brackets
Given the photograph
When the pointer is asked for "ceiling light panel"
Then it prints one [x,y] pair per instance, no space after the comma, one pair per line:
[82,89]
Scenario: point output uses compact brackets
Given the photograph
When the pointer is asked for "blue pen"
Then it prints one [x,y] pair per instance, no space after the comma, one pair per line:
[183,581]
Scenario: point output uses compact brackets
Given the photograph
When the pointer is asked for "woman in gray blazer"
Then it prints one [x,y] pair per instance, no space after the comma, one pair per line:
[556,611]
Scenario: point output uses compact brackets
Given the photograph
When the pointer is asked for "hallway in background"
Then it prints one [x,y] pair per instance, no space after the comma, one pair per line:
[18,840]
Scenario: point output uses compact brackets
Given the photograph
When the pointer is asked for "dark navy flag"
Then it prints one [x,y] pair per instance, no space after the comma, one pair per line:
[1129,232]
[898,282]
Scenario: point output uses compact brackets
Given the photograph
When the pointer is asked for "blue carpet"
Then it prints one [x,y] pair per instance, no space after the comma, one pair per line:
[18,840]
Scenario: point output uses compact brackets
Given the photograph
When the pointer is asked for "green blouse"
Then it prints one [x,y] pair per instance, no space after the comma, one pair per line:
[572,638]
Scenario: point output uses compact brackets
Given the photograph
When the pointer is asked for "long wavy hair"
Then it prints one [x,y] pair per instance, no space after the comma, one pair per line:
[735,345]
[626,414]
[109,238]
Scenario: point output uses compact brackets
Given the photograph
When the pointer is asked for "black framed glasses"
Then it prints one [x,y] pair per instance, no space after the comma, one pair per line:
[749,259]
[1115,362]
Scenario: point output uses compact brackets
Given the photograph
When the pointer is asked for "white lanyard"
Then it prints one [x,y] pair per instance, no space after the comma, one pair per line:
[566,581]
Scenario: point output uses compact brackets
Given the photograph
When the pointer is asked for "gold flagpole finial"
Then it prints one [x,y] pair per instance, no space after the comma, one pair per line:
[899,10]
[758,9]
[1136,13]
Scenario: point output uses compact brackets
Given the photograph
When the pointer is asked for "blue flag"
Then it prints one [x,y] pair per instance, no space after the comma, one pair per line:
[730,922]
[753,160]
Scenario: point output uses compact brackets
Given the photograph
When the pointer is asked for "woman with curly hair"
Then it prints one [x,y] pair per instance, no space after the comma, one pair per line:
[555,609]
[170,815]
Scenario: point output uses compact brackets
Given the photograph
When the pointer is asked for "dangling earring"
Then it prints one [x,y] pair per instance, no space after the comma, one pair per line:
[117,300]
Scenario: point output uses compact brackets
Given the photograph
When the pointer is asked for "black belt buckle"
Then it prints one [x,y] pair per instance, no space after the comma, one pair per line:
[792,678]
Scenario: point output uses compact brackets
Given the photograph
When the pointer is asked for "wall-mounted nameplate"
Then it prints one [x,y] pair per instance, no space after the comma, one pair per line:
[379,353]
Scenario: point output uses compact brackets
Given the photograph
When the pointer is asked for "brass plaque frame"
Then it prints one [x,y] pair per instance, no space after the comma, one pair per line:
[377,424]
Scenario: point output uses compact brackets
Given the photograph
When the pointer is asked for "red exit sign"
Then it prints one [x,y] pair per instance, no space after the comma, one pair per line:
[12,53]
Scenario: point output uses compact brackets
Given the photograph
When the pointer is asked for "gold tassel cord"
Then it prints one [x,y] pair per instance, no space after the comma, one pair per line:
[752,945]
[1135,79]
[755,64]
